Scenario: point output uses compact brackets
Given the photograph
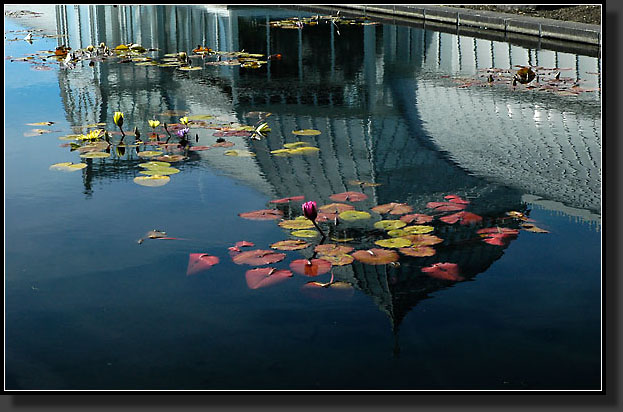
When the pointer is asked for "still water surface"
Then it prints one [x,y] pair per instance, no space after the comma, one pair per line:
[87,307]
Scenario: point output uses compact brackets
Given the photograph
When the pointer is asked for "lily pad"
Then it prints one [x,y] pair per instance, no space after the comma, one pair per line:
[153,164]
[152,181]
[424,240]
[349,197]
[305,233]
[464,218]
[171,158]
[310,267]
[532,228]
[296,145]
[198,262]
[239,153]
[418,229]
[68,166]
[416,218]
[395,242]
[335,208]
[258,257]
[263,214]
[306,132]
[354,215]
[418,251]
[389,224]
[262,277]
[289,199]
[445,271]
[376,256]
[498,236]
[445,206]
[95,155]
[337,260]
[393,208]
[162,171]
[199,148]
[149,153]
[332,249]
[300,222]
[456,199]
[292,244]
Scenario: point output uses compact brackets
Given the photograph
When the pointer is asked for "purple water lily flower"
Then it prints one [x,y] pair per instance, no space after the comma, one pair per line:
[183,132]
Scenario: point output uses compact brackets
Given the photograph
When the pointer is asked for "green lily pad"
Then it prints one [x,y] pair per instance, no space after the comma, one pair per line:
[149,153]
[307,132]
[353,215]
[68,166]
[418,229]
[152,181]
[395,242]
[300,222]
[305,233]
[153,163]
[95,155]
[162,171]
[389,224]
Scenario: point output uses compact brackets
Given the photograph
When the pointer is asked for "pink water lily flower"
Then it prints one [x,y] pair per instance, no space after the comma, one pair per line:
[310,210]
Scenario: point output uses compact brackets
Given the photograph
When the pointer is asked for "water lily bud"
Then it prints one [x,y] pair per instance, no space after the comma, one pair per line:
[309,210]
[118,118]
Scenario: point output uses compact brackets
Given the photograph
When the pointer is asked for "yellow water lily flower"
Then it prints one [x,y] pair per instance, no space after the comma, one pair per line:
[91,135]
[154,123]
[184,120]
[118,118]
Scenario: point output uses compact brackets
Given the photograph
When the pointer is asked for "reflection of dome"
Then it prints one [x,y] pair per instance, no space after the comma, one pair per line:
[543,150]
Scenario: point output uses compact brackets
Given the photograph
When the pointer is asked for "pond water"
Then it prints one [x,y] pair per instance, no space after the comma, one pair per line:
[407,110]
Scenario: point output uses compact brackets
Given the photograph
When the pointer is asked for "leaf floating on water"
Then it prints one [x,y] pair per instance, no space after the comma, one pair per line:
[152,181]
[532,228]
[389,224]
[263,277]
[258,257]
[311,268]
[95,155]
[416,218]
[445,206]
[40,124]
[149,153]
[223,144]
[70,137]
[300,222]
[418,229]
[517,215]
[293,244]
[335,208]
[424,240]
[306,132]
[305,233]
[199,148]
[244,243]
[332,249]
[68,166]
[393,208]
[162,171]
[354,215]
[395,242]
[263,214]
[36,132]
[418,251]
[465,218]
[289,199]
[444,271]
[376,256]
[153,164]
[198,262]
[189,68]
[363,184]
[498,236]
[349,197]
[456,199]
[239,153]
[171,158]
[337,260]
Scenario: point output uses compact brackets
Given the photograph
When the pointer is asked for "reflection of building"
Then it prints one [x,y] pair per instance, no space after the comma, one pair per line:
[376,95]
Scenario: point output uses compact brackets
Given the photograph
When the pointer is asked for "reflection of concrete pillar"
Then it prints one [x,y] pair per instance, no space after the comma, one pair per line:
[369,63]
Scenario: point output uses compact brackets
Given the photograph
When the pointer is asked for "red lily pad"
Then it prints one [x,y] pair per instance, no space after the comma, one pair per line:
[199,148]
[416,218]
[244,243]
[349,197]
[337,260]
[289,199]
[263,214]
[198,262]
[310,267]
[223,144]
[423,240]
[393,208]
[456,199]
[465,218]
[445,271]
[445,206]
[258,257]
[497,236]
[376,256]
[263,277]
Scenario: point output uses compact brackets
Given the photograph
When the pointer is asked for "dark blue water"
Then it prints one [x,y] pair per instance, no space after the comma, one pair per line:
[87,307]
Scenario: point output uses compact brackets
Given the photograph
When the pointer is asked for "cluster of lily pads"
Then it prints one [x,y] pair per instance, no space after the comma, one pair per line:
[526,78]
[396,232]
[299,23]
